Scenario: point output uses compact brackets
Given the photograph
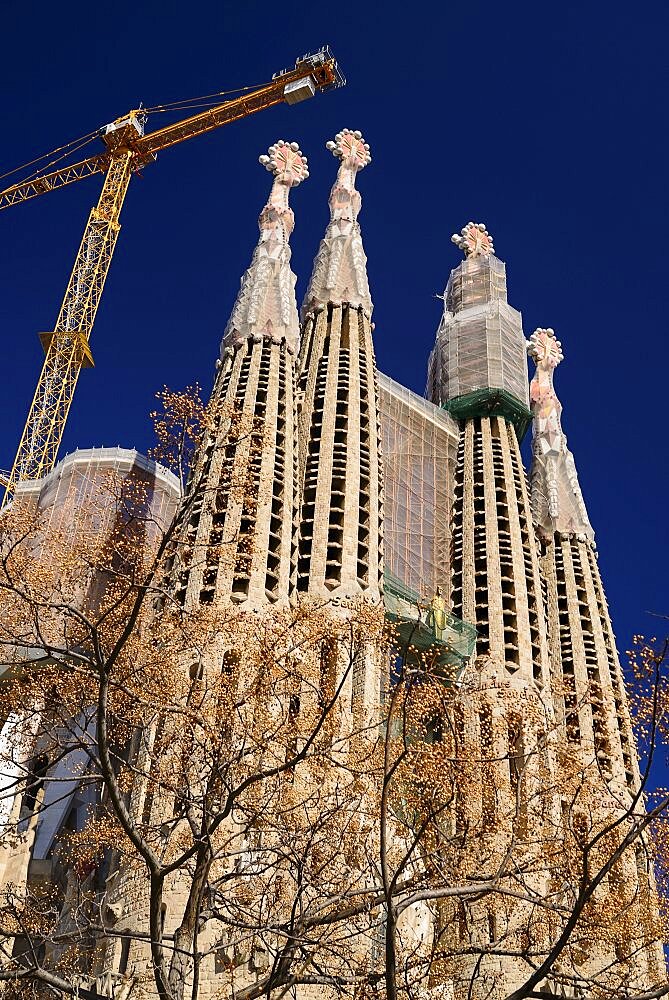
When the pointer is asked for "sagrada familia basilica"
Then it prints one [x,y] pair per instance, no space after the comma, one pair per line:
[368,492]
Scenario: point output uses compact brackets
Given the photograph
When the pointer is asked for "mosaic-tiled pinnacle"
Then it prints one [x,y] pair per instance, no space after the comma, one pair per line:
[557,501]
[340,268]
[266,305]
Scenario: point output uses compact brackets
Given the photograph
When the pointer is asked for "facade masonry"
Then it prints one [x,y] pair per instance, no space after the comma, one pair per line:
[286,508]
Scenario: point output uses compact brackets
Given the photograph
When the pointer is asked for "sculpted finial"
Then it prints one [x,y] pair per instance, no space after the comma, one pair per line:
[286,162]
[350,148]
[353,153]
[544,348]
[340,274]
[265,305]
[557,502]
[474,240]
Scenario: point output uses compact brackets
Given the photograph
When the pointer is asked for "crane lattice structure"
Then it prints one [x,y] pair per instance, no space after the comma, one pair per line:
[128,149]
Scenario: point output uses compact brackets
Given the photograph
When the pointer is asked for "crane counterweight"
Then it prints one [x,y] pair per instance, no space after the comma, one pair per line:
[299,90]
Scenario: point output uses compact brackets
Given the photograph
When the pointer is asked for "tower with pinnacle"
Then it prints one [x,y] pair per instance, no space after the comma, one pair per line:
[502,709]
[478,371]
[340,507]
[587,679]
[588,689]
[241,535]
[340,476]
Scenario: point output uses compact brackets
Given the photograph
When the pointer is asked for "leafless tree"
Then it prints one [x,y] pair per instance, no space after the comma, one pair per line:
[244,821]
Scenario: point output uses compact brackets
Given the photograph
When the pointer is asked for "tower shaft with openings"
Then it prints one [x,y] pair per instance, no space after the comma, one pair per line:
[340,476]
[502,708]
[478,372]
[587,681]
[239,542]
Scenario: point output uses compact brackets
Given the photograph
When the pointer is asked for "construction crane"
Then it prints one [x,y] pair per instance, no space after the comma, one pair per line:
[127,150]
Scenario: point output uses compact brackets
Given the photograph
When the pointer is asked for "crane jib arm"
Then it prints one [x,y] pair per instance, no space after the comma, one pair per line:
[312,73]
[67,347]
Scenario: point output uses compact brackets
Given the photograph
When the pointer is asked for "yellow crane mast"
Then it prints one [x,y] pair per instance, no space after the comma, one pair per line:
[67,347]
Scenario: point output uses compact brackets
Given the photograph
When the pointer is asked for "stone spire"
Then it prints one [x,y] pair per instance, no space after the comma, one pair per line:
[589,696]
[340,479]
[239,543]
[478,371]
[265,304]
[557,502]
[588,688]
[340,272]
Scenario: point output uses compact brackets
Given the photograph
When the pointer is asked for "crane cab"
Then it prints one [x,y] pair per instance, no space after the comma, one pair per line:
[124,131]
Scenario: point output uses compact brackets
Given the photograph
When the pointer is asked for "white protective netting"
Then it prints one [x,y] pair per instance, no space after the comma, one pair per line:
[419,445]
[480,342]
[84,492]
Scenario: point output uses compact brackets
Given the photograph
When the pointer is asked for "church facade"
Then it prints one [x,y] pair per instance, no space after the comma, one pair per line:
[358,490]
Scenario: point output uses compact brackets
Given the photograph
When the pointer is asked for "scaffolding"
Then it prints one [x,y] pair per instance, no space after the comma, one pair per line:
[426,631]
[419,447]
[83,491]
[419,443]
[478,366]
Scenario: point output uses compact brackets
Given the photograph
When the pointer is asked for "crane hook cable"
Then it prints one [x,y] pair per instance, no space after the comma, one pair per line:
[204,101]
[187,102]
[77,143]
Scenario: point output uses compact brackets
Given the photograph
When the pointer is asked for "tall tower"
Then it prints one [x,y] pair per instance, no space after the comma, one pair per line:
[502,711]
[240,538]
[340,477]
[478,371]
[589,696]
[236,547]
[588,688]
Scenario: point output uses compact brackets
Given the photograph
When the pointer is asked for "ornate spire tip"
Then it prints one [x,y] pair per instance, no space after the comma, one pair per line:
[265,304]
[287,162]
[544,348]
[474,240]
[340,275]
[350,148]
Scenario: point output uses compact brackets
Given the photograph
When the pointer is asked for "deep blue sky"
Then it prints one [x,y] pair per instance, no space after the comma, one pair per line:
[545,121]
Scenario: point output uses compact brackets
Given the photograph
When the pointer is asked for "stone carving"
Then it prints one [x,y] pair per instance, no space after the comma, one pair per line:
[556,498]
[474,240]
[340,267]
[265,305]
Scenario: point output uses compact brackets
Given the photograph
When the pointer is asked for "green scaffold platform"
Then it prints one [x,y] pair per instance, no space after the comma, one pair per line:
[427,631]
